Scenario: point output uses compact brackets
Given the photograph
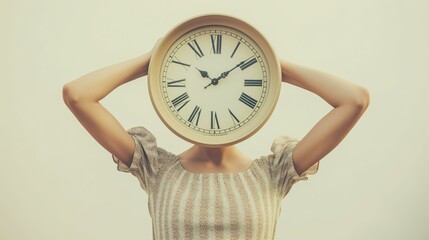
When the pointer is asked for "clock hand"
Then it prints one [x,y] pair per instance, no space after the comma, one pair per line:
[204,74]
[215,81]
[225,74]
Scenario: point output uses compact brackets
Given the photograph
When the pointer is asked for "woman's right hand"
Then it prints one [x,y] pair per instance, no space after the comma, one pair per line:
[146,57]
[82,97]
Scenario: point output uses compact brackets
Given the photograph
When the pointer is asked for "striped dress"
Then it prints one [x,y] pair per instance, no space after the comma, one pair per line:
[187,205]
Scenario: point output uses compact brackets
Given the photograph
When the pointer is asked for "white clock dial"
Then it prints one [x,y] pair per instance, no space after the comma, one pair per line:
[214,80]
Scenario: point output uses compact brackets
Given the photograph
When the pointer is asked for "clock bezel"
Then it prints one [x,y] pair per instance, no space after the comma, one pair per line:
[155,77]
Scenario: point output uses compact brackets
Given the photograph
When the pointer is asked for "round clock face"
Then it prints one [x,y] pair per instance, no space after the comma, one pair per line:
[215,84]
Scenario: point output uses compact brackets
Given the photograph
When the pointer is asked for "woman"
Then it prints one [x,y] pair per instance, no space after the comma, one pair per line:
[215,192]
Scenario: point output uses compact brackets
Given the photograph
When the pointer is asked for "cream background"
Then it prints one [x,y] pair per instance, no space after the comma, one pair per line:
[56,182]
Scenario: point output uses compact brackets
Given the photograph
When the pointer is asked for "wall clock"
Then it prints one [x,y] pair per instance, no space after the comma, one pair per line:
[214,80]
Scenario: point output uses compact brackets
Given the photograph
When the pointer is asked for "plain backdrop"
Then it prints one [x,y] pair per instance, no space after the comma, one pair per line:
[57,182]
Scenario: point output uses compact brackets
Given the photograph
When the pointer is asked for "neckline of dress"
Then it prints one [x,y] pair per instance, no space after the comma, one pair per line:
[217,173]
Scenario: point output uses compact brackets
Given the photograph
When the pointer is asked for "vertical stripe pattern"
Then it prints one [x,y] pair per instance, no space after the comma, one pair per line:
[187,205]
[214,205]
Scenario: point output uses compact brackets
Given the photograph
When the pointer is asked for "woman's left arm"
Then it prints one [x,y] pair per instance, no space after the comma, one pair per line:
[348,99]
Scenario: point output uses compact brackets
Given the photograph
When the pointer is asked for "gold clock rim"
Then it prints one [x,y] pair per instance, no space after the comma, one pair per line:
[181,29]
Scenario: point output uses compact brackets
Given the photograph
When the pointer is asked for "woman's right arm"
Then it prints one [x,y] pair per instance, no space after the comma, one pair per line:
[82,97]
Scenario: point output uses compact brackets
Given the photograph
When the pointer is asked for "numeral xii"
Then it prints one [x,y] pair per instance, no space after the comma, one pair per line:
[216,43]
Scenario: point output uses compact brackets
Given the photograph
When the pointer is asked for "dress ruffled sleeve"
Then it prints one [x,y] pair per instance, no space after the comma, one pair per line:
[282,167]
[147,157]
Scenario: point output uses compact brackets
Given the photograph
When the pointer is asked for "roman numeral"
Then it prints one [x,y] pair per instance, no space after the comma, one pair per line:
[177,83]
[196,48]
[235,49]
[248,63]
[216,43]
[248,100]
[195,115]
[214,120]
[252,83]
[184,64]
[180,101]
[233,117]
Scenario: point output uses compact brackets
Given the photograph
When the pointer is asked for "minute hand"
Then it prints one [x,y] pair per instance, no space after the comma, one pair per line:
[215,81]
[225,74]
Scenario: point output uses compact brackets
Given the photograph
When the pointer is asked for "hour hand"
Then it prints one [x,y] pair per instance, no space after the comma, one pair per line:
[204,74]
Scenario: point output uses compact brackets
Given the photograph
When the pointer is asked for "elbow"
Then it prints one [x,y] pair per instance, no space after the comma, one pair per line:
[362,98]
[70,95]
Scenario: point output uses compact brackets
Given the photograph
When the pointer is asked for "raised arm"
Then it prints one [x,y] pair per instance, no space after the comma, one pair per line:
[82,95]
[348,100]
